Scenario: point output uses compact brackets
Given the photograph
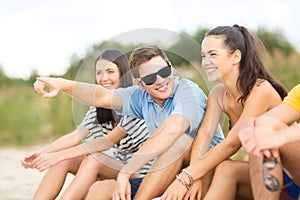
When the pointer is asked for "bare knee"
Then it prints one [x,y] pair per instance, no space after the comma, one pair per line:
[93,190]
[103,189]
[225,168]
[89,160]
[90,164]
[95,186]
[177,155]
[68,166]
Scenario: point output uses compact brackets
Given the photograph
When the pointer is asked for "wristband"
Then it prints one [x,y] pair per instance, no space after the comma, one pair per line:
[188,174]
[187,186]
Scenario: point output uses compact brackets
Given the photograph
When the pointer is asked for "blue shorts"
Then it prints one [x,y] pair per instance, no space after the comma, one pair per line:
[135,184]
[290,189]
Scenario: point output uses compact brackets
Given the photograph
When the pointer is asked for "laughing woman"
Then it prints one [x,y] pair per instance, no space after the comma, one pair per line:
[231,55]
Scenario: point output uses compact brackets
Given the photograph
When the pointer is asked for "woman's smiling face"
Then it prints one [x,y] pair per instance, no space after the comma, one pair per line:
[107,74]
[216,60]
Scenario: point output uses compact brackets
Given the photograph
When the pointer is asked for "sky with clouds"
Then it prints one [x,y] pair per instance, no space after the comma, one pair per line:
[44,34]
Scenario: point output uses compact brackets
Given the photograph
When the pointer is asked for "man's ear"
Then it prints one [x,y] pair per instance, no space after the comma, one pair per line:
[139,83]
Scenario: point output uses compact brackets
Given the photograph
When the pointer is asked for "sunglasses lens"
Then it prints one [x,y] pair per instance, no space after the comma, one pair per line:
[271,183]
[165,72]
[151,78]
[269,165]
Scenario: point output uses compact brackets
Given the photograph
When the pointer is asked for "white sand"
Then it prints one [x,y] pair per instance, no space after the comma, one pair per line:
[18,183]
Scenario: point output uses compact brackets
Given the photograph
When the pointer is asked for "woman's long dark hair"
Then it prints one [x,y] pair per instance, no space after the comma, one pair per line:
[251,66]
[118,58]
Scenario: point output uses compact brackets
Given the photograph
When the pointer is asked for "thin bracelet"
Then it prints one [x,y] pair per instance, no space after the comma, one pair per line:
[188,174]
[187,186]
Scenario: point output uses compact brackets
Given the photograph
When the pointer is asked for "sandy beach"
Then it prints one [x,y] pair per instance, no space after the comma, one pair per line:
[18,183]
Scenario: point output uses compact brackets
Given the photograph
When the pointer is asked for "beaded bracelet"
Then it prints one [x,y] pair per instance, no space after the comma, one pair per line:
[187,186]
[188,174]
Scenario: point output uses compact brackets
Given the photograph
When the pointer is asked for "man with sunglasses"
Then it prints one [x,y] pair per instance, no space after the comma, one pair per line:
[262,137]
[172,108]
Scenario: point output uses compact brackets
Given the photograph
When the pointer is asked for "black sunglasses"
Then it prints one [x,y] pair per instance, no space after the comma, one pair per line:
[151,78]
[270,181]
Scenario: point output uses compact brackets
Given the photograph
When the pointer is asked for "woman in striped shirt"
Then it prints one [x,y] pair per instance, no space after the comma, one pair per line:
[100,130]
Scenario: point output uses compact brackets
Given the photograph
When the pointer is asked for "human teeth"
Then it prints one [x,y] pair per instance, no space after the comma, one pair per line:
[107,85]
[210,69]
[163,88]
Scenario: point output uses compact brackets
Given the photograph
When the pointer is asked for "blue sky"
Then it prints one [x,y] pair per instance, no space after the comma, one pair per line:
[43,35]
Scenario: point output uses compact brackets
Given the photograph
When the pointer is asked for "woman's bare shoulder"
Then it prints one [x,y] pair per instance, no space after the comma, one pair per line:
[264,86]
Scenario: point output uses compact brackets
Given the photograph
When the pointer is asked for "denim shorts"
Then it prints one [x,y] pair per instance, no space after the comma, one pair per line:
[135,184]
[215,141]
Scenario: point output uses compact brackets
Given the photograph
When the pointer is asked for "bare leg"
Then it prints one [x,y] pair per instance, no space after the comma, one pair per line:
[290,160]
[206,182]
[55,178]
[258,188]
[87,174]
[231,180]
[101,190]
[164,169]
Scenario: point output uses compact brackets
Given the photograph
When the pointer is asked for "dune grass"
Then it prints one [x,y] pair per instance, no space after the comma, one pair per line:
[27,118]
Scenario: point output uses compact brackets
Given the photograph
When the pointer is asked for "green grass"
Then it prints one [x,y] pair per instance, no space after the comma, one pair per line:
[27,118]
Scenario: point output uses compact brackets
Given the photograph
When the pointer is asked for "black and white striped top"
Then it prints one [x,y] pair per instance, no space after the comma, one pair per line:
[137,133]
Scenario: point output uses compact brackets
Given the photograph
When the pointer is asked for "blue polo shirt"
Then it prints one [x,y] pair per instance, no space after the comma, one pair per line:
[187,99]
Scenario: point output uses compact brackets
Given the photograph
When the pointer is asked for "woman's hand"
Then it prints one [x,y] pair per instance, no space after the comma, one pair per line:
[176,191]
[46,160]
[195,192]
[27,160]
